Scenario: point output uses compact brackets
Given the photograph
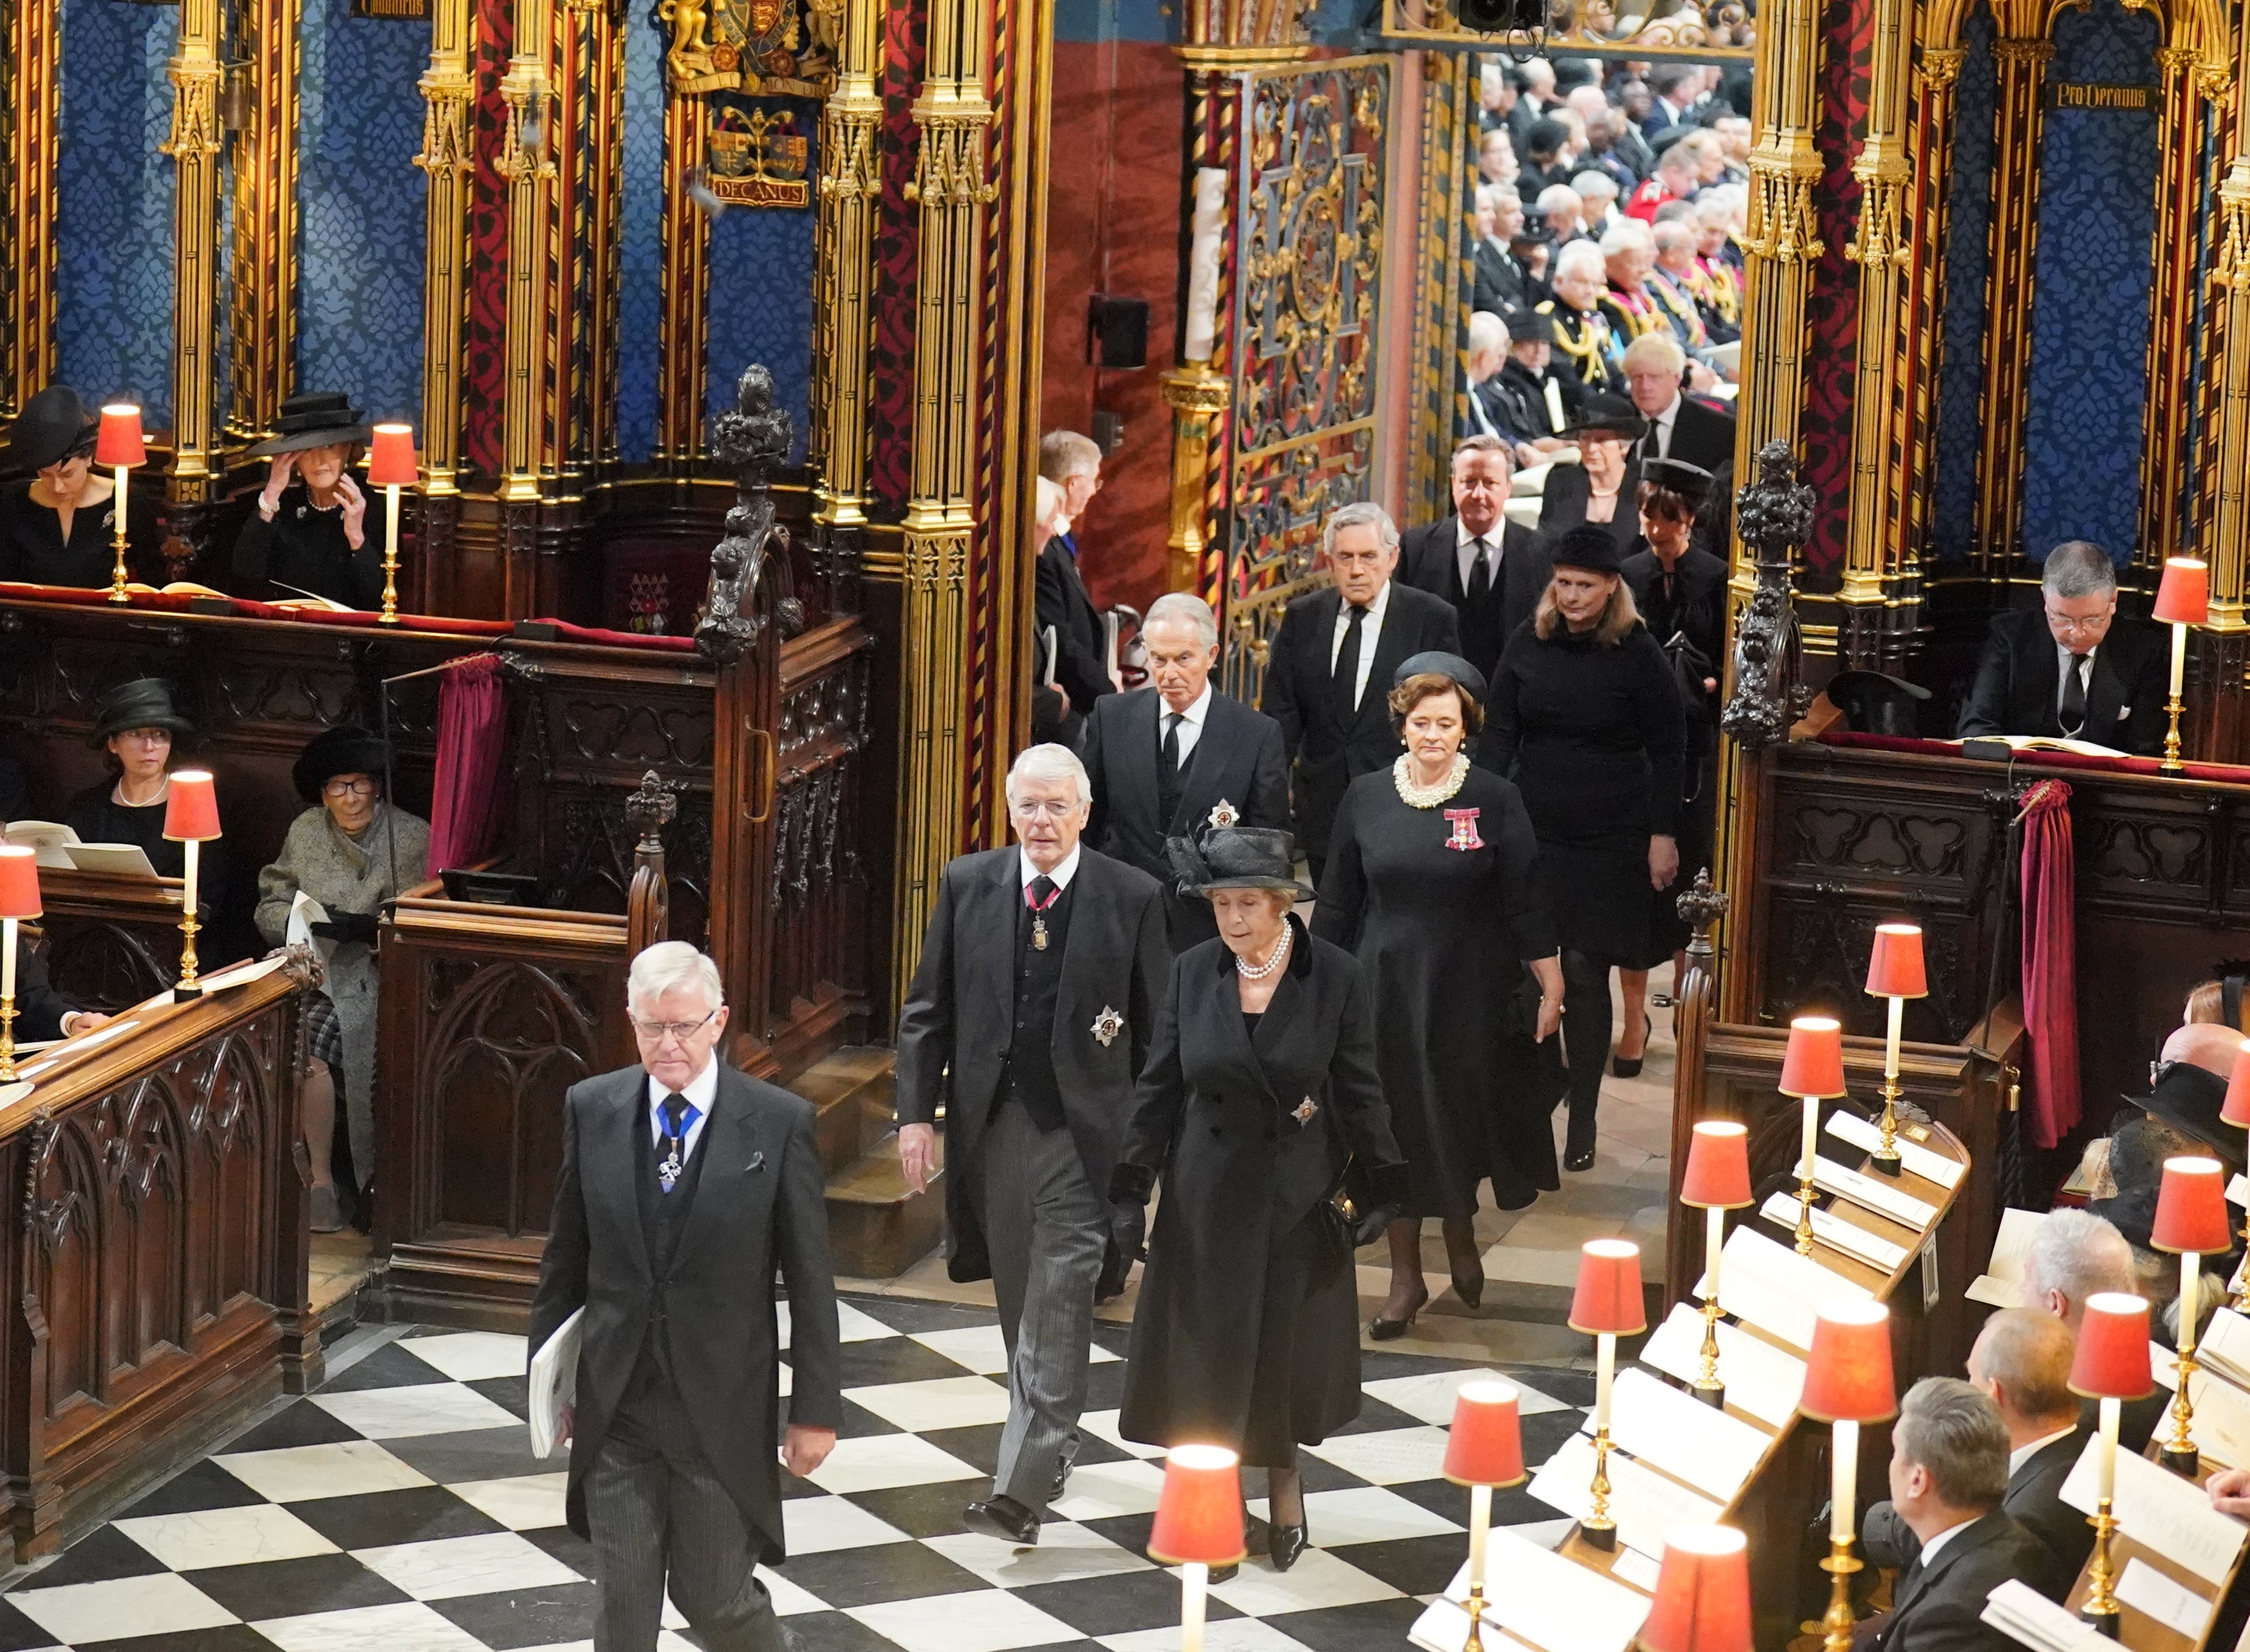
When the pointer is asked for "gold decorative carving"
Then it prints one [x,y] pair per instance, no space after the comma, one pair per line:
[526,160]
[32,105]
[446,157]
[757,160]
[193,143]
[262,276]
[756,47]
[1784,223]
[1197,397]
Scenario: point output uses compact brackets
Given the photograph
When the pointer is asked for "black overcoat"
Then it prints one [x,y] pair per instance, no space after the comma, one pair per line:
[1237,772]
[2018,686]
[1430,560]
[1247,1332]
[958,1021]
[760,1207]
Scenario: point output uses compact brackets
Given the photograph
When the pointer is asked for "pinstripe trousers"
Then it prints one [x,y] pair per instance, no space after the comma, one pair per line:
[658,1514]
[1045,1228]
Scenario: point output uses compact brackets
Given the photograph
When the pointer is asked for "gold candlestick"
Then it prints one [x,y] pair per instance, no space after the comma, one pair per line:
[1709,1388]
[2172,706]
[2101,1608]
[1836,1627]
[1598,1528]
[1475,1642]
[389,616]
[2180,1453]
[117,577]
[8,1003]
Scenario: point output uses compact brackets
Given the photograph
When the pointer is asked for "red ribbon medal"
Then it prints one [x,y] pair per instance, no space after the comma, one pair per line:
[1464,832]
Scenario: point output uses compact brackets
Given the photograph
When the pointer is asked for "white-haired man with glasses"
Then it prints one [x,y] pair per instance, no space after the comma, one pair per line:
[2079,669]
[685,1185]
[1028,1018]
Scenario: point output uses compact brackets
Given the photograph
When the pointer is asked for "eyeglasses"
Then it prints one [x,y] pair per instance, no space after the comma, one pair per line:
[340,790]
[1045,808]
[656,1032]
[2069,623]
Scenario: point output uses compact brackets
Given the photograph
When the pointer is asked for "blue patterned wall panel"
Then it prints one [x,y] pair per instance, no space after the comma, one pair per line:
[761,304]
[362,205]
[113,211]
[641,257]
[1961,362]
[2090,293]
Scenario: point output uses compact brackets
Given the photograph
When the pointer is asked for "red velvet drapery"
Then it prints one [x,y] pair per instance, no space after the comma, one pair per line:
[2050,964]
[472,746]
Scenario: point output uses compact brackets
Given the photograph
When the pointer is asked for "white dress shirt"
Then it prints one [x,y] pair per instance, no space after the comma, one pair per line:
[1062,874]
[1659,429]
[2062,675]
[702,1090]
[1369,629]
[1929,1549]
[2023,1454]
[1191,723]
[1465,550]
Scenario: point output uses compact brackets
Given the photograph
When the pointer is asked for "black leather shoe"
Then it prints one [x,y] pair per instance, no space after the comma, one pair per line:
[1288,1542]
[1224,1574]
[1004,1517]
[1579,1144]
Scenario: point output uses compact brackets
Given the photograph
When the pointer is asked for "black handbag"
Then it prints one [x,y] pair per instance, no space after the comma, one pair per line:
[1340,1207]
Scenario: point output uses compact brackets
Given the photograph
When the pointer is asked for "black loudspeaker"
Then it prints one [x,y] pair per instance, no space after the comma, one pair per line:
[1501,16]
[1119,328]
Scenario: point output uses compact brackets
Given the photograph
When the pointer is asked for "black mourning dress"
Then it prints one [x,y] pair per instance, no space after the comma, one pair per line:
[1246,1331]
[1690,603]
[304,547]
[1442,932]
[32,551]
[97,817]
[1592,736]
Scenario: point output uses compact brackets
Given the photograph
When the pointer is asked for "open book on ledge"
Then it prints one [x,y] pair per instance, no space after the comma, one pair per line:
[2043,743]
[58,845]
[299,599]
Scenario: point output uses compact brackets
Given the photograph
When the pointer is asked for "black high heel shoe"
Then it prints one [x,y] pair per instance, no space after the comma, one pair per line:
[1382,1330]
[1287,1543]
[1578,1143]
[1629,1066]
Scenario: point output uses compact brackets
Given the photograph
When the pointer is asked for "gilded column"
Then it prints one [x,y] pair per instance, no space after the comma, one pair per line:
[594,442]
[686,242]
[2182,189]
[952,186]
[30,117]
[1199,398]
[446,158]
[193,144]
[262,339]
[525,162]
[1929,154]
[2229,545]
[1881,577]
[844,270]
[2020,69]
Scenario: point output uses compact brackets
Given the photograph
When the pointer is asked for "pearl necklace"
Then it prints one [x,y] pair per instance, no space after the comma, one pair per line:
[1258,972]
[1418,796]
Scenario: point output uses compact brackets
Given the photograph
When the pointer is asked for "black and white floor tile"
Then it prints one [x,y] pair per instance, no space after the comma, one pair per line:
[400,1510]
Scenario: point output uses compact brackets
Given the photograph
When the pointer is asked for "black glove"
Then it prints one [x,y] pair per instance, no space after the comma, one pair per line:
[1373,1225]
[347,927]
[1127,1243]
[1131,1184]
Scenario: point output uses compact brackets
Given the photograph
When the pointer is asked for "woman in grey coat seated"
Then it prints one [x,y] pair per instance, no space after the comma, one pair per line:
[349,852]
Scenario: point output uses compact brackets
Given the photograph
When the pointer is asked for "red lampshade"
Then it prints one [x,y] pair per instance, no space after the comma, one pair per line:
[1814,1064]
[2192,1208]
[1703,1593]
[2235,1109]
[191,809]
[1486,1446]
[1199,1511]
[1718,1167]
[390,461]
[1609,1290]
[1848,1376]
[119,441]
[2184,598]
[1894,967]
[2112,1361]
[19,881]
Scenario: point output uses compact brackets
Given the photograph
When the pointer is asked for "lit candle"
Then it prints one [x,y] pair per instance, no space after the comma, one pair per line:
[1605,1374]
[1844,1483]
[1479,1518]
[1812,1135]
[1198,1577]
[1891,1042]
[2191,1276]
[2179,659]
[2112,1411]
[1714,1233]
[191,846]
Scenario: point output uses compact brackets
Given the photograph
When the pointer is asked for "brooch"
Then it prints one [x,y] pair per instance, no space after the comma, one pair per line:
[1304,1110]
[1106,1026]
[1464,832]
[1224,816]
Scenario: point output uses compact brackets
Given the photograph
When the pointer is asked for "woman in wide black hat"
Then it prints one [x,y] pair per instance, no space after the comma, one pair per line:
[1681,589]
[1584,716]
[58,515]
[351,852]
[139,729]
[1259,1092]
[311,530]
[1601,487]
[1429,882]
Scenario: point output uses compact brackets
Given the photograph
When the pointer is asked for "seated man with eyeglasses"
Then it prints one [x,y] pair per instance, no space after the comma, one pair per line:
[350,851]
[2081,670]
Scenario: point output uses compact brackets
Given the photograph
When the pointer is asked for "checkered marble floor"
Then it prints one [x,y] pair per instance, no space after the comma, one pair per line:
[400,1510]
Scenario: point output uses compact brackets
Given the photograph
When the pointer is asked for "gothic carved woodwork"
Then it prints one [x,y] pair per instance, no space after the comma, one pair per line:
[749,441]
[1301,390]
[158,1252]
[1773,517]
[648,901]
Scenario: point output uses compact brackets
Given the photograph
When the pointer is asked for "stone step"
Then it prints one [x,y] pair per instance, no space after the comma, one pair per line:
[851,1088]
[877,1228]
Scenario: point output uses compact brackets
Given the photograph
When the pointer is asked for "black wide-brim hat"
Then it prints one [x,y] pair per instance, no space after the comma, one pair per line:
[318,418]
[1589,548]
[1600,410]
[1529,326]
[1691,482]
[145,702]
[345,749]
[52,425]
[2191,1098]
[1877,703]
[1236,858]
[1436,661]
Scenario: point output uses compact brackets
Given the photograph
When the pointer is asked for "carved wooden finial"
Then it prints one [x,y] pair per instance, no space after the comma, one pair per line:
[1774,516]
[749,441]
[652,808]
[1700,908]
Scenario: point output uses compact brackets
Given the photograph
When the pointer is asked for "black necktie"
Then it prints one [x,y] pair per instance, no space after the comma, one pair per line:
[675,1139]
[1168,769]
[2073,695]
[1041,894]
[1172,721]
[1346,680]
[1479,573]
